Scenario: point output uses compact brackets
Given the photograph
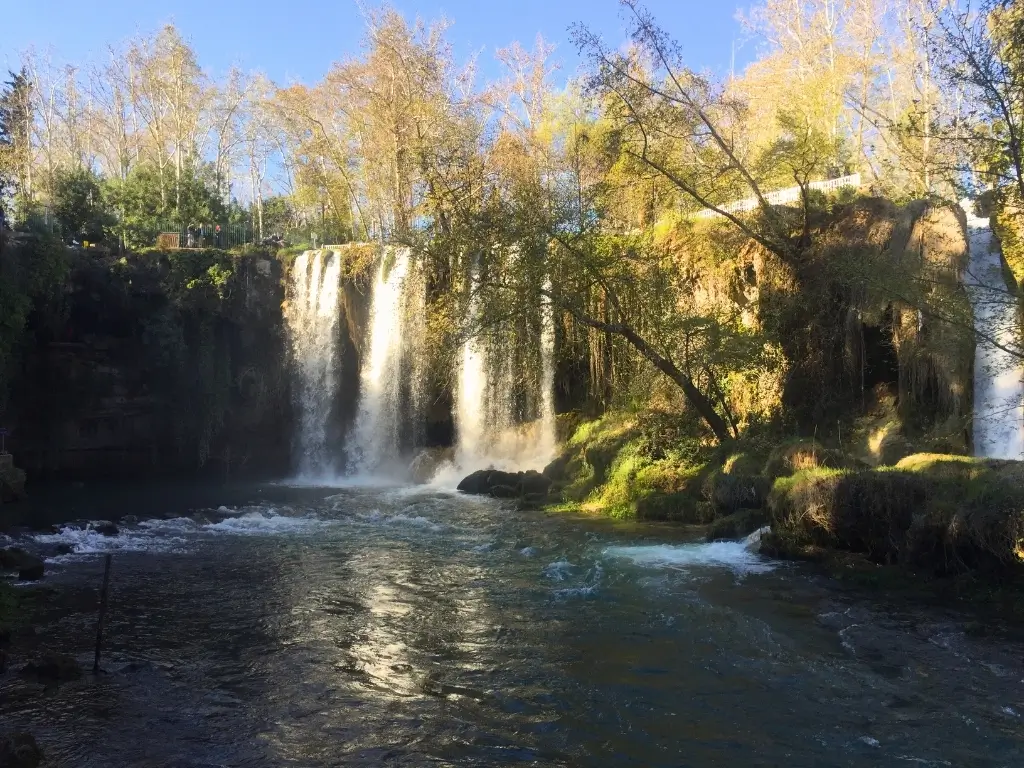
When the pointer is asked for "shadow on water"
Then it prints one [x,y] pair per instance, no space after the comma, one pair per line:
[357,626]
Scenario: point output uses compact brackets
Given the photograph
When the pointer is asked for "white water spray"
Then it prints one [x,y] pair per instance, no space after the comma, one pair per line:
[312,329]
[376,437]
[489,430]
[998,377]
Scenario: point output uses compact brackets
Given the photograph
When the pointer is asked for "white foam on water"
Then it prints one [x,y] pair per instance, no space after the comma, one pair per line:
[415,521]
[260,524]
[735,555]
[558,570]
[86,541]
[528,551]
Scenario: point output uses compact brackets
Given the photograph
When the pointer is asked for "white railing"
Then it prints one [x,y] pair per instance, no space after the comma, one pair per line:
[781,196]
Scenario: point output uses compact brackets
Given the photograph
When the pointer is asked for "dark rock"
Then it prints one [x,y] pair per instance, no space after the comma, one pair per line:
[505,485]
[737,525]
[53,668]
[556,470]
[16,558]
[534,483]
[33,572]
[19,750]
[5,636]
[475,483]
[503,492]
[129,519]
[64,549]
[3,661]
[105,527]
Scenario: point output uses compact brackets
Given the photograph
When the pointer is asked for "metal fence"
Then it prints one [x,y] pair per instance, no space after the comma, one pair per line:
[205,236]
[781,196]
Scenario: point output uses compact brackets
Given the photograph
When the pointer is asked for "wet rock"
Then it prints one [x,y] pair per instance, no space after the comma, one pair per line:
[427,462]
[64,549]
[534,483]
[106,528]
[53,668]
[12,482]
[28,566]
[19,750]
[129,519]
[4,659]
[475,483]
[32,572]
[503,491]
[506,485]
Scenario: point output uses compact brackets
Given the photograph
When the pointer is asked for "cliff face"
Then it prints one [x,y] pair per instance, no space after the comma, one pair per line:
[157,364]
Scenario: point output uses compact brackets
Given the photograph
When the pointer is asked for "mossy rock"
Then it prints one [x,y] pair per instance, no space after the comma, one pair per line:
[743,463]
[802,454]
[949,514]
[679,507]
[738,525]
[728,493]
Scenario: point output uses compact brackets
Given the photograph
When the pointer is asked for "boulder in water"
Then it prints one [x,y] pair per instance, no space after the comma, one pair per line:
[32,571]
[505,485]
[28,566]
[105,527]
[53,668]
[475,483]
[19,750]
[534,483]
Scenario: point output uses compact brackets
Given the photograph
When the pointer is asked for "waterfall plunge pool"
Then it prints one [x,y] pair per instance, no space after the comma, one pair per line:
[409,626]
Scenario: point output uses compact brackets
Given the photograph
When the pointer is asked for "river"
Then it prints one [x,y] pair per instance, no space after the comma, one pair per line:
[415,627]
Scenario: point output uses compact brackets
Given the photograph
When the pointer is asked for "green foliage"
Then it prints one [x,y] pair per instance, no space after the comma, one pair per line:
[147,202]
[629,466]
[32,273]
[77,202]
[15,153]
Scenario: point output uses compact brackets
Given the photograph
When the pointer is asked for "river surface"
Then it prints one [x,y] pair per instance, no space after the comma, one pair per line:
[413,627]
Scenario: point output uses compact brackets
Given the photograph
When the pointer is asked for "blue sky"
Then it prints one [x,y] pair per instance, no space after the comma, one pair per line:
[298,39]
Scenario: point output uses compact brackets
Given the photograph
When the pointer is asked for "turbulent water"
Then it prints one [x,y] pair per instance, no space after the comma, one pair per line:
[312,327]
[361,626]
[998,378]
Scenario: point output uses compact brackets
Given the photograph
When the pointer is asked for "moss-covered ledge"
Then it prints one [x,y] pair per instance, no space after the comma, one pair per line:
[934,513]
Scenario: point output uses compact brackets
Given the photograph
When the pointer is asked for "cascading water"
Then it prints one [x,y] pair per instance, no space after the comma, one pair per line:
[376,437]
[312,328]
[471,397]
[548,440]
[998,377]
[489,428]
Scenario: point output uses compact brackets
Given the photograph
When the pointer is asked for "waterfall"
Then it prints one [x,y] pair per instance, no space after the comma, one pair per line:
[547,443]
[998,376]
[471,397]
[491,430]
[312,320]
[376,437]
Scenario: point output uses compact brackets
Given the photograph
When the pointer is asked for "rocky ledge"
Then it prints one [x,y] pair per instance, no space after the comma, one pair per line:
[529,486]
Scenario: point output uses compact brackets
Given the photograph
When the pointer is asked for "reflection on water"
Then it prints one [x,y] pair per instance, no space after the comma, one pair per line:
[368,627]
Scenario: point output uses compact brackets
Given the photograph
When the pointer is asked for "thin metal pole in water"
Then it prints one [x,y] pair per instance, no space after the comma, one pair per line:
[103,613]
